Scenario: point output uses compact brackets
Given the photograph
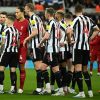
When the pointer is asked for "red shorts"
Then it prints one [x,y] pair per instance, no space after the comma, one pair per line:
[22,54]
[95,56]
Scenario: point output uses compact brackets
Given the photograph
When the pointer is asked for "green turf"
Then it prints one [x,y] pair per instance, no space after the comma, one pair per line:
[30,84]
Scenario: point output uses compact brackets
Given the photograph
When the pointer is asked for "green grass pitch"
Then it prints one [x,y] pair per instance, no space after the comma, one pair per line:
[30,84]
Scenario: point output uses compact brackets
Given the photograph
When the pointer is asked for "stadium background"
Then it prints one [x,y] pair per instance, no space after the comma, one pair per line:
[91,8]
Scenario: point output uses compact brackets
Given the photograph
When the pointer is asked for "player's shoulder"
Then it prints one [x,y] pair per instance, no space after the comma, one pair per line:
[26,20]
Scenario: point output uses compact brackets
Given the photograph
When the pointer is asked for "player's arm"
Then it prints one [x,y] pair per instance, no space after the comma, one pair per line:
[18,38]
[96,30]
[46,35]
[3,39]
[70,29]
[34,31]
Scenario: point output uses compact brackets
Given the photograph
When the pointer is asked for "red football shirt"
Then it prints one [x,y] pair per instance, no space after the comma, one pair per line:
[22,27]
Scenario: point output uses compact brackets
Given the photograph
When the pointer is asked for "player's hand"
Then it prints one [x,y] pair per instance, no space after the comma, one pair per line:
[24,42]
[72,42]
[38,46]
[61,44]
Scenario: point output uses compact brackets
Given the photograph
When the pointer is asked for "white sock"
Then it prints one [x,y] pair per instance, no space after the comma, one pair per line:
[48,86]
[61,89]
[12,88]
[38,89]
[1,87]
[65,88]
[52,87]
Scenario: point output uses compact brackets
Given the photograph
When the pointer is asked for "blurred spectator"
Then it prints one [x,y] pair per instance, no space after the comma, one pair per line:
[39,6]
[89,3]
[98,8]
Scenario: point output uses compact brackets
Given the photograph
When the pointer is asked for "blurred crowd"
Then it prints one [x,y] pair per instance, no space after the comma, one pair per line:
[55,3]
[85,3]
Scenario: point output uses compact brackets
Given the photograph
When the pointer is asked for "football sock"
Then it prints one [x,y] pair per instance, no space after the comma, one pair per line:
[1,77]
[52,78]
[13,78]
[38,77]
[58,78]
[64,74]
[87,80]
[69,77]
[22,78]
[73,81]
[98,68]
[45,75]
[79,79]
[91,67]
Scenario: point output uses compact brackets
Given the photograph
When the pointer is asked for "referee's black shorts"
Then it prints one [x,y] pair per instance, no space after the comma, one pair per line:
[80,57]
[9,58]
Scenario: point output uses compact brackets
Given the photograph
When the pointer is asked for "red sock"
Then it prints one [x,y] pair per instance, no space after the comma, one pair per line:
[22,78]
[91,67]
[98,68]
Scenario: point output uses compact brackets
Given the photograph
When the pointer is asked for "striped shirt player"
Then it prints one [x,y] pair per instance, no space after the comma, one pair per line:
[64,49]
[82,26]
[9,55]
[52,44]
[36,22]
[2,27]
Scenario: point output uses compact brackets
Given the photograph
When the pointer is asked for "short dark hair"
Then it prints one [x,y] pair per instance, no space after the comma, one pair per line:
[78,8]
[11,17]
[51,11]
[61,13]
[30,6]
[21,8]
[68,16]
[4,13]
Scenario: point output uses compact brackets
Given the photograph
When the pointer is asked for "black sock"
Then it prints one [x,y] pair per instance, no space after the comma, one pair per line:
[69,78]
[63,73]
[79,80]
[38,77]
[58,78]
[52,78]
[13,78]
[1,77]
[73,81]
[87,80]
[45,75]
[42,81]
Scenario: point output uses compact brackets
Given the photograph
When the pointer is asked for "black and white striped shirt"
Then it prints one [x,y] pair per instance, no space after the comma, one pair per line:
[36,22]
[82,26]
[63,39]
[53,28]
[11,36]
[2,27]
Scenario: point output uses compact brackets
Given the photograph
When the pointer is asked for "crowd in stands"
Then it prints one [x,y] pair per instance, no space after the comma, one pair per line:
[40,5]
[86,3]
[55,3]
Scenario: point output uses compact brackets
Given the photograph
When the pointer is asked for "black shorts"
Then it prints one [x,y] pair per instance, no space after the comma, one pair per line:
[80,57]
[51,59]
[64,56]
[9,58]
[37,54]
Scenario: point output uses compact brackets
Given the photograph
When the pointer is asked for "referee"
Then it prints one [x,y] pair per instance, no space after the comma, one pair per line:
[82,25]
